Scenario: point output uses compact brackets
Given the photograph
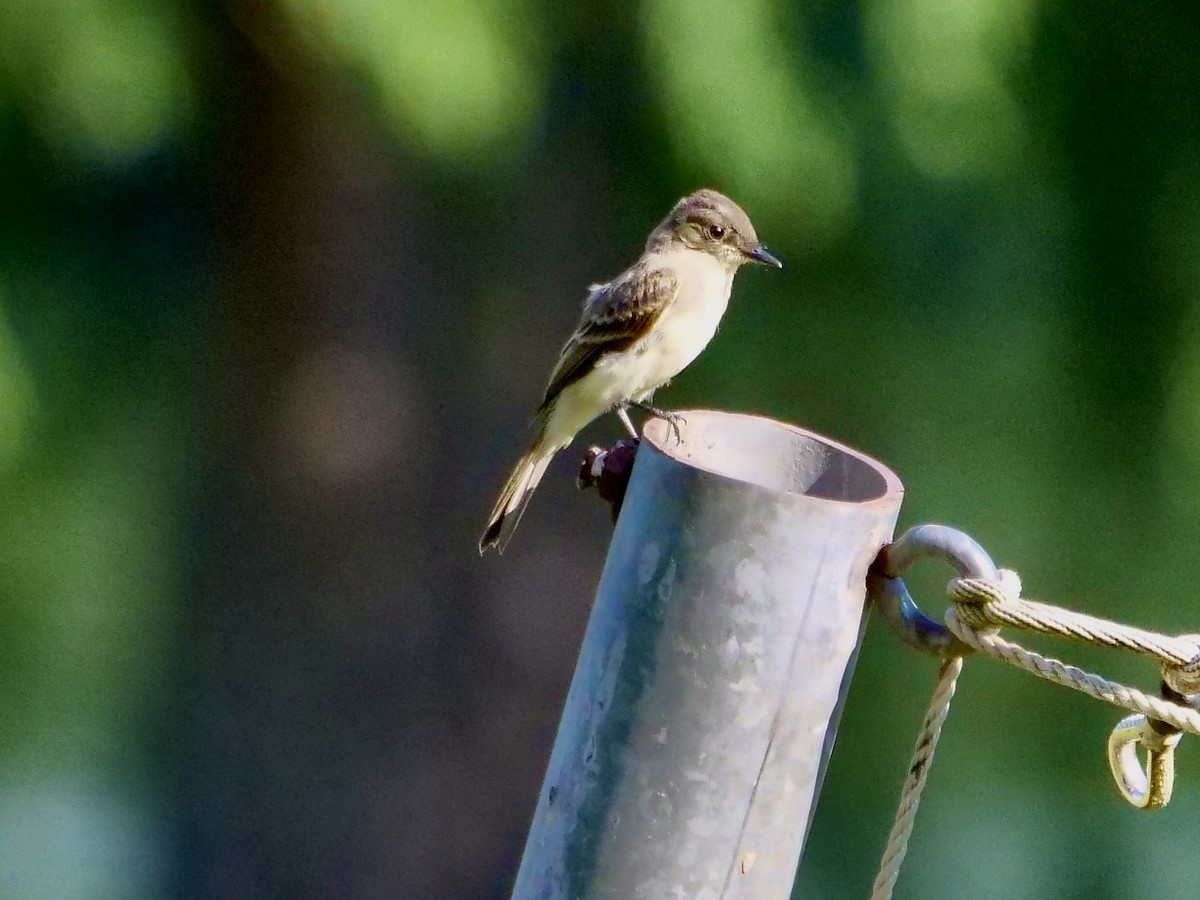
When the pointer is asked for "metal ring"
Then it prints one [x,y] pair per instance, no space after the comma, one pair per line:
[1149,786]
[940,542]
[886,589]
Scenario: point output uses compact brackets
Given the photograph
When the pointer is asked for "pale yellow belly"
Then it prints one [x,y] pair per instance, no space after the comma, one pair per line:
[677,339]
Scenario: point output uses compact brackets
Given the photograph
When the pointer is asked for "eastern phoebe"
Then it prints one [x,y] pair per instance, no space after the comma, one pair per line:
[637,332]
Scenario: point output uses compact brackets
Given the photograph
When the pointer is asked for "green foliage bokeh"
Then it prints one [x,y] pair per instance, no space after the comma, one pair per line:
[990,212]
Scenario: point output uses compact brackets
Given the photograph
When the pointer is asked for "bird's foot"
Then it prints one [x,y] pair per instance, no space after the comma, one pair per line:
[673,419]
[623,415]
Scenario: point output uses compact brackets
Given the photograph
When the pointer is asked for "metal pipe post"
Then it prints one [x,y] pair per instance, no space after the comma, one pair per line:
[707,692]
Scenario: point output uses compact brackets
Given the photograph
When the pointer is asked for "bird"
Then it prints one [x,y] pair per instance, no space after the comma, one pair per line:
[636,333]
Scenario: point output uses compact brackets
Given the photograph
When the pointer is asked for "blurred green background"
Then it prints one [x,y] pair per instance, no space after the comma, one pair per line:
[280,283]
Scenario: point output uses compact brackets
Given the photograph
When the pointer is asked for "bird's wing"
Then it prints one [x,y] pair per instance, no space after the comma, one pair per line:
[615,315]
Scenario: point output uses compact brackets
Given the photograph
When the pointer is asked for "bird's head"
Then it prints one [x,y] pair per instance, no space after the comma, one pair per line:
[712,223]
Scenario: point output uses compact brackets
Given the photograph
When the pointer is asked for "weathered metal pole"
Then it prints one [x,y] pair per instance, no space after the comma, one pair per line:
[707,692]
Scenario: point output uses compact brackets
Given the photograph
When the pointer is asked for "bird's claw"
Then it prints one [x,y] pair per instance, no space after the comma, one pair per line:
[673,420]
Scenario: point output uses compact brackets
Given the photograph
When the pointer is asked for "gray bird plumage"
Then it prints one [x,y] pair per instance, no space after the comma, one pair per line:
[636,333]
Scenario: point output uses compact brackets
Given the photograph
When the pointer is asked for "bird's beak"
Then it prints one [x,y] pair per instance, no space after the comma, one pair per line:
[759,254]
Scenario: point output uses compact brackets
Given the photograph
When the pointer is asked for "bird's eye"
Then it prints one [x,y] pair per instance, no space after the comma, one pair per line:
[716,232]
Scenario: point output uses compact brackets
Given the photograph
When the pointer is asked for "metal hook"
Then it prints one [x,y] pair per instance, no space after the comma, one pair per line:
[1146,787]
[886,589]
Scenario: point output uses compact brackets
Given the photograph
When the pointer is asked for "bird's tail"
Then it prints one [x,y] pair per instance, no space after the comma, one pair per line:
[515,497]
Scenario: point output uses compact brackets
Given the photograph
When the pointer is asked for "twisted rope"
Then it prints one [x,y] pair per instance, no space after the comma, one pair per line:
[983,606]
[1174,714]
[918,775]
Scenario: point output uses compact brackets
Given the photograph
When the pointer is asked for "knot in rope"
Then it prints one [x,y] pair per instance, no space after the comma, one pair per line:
[1184,677]
[980,608]
[976,598]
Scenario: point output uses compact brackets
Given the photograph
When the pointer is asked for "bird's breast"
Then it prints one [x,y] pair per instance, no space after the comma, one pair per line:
[685,327]
[681,332]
